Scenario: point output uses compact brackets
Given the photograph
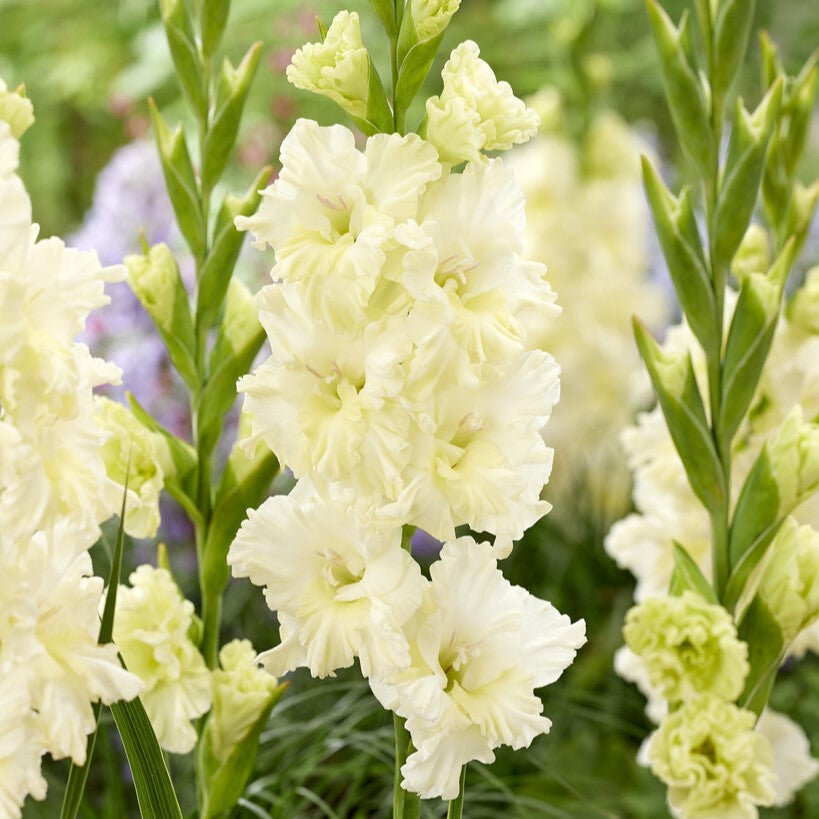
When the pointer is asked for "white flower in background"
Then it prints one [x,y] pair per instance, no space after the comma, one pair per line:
[340,591]
[598,261]
[475,112]
[151,628]
[479,648]
[793,765]
[141,457]
[666,506]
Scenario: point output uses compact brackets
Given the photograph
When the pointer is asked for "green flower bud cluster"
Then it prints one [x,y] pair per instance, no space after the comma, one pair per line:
[712,760]
[690,647]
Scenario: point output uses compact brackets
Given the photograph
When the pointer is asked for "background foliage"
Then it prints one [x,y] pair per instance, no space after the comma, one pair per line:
[89,66]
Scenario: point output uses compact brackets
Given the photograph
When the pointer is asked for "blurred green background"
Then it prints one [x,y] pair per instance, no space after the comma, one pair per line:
[89,66]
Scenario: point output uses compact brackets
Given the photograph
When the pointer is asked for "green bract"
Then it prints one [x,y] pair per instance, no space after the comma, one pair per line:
[689,647]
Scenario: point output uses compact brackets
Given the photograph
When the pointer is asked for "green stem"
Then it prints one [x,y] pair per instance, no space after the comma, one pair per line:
[399,116]
[456,806]
[405,805]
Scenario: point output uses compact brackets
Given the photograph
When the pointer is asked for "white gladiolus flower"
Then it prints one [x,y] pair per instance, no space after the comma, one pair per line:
[151,628]
[480,458]
[49,629]
[419,389]
[480,647]
[475,112]
[793,765]
[333,209]
[53,492]
[340,591]
[21,747]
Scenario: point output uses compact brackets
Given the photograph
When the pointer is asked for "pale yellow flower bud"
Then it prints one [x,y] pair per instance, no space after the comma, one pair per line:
[338,68]
[804,307]
[790,582]
[15,109]
[754,254]
[143,456]
[241,691]
[431,17]
[475,112]
[794,458]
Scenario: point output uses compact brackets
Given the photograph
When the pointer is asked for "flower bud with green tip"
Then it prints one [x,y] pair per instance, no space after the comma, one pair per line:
[794,459]
[803,309]
[749,340]
[754,253]
[475,112]
[243,696]
[154,277]
[799,213]
[143,456]
[790,580]
[16,109]
[672,374]
[242,689]
[784,475]
[689,646]
[341,69]
[712,760]
[427,19]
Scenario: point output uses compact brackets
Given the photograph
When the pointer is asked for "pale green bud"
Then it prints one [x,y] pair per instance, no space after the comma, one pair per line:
[431,17]
[475,112]
[612,151]
[548,105]
[754,254]
[794,459]
[241,691]
[712,760]
[132,450]
[154,278]
[340,68]
[689,647]
[241,321]
[16,109]
[790,580]
[803,309]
